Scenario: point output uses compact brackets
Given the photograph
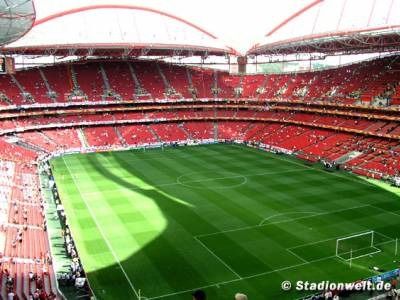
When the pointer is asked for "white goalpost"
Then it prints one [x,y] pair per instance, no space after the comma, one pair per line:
[356,246]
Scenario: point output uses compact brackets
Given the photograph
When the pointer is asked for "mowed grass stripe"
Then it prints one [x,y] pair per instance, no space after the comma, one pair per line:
[282,238]
[163,200]
[216,198]
[156,223]
[130,284]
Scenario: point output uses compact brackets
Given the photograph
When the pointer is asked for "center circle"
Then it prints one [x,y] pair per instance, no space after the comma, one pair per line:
[211,180]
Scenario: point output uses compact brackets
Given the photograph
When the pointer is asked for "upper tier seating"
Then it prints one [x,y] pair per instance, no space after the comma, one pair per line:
[364,82]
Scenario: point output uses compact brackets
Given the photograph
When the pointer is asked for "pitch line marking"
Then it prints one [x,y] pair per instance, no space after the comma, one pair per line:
[385,210]
[258,274]
[280,222]
[326,240]
[245,277]
[343,236]
[377,250]
[200,180]
[187,183]
[296,255]
[245,176]
[289,213]
[319,170]
[101,232]
[217,257]
[305,168]
[235,176]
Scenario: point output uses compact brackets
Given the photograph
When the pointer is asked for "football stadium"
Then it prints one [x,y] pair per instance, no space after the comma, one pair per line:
[199,149]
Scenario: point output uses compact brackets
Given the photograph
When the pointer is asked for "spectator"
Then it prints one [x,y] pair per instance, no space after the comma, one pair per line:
[199,295]
[240,296]
[328,295]
[10,295]
[31,276]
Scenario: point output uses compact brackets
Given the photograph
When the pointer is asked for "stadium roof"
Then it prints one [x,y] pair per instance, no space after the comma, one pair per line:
[336,26]
[16,18]
[207,27]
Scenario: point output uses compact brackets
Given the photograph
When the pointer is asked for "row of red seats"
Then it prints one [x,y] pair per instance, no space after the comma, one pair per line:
[372,126]
[318,142]
[361,81]
[26,249]
[24,286]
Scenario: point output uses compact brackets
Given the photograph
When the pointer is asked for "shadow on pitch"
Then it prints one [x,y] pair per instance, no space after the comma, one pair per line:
[175,272]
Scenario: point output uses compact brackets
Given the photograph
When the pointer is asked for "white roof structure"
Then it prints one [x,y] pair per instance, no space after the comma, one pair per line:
[16,18]
[336,26]
[178,27]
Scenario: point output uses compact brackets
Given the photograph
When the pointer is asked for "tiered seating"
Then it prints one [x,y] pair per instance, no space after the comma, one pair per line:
[120,79]
[285,133]
[305,139]
[200,130]
[102,136]
[356,124]
[378,156]
[296,83]
[90,80]
[226,84]
[202,82]
[347,84]
[33,83]
[129,116]
[59,80]
[27,247]
[33,243]
[42,285]
[177,78]
[39,140]
[250,85]
[328,146]
[232,130]
[258,131]
[396,95]
[225,113]
[169,132]
[160,115]
[65,138]
[15,153]
[7,169]
[150,79]
[137,134]
[8,88]
[206,113]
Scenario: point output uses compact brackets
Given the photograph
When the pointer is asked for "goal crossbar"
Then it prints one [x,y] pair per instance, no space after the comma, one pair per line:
[355,249]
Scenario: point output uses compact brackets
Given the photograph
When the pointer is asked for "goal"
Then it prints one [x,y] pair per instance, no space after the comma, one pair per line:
[357,245]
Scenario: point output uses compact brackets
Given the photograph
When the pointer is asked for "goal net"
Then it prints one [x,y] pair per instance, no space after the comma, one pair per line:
[357,245]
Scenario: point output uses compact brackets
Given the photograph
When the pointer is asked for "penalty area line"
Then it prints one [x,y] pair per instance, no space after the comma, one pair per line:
[218,258]
[217,284]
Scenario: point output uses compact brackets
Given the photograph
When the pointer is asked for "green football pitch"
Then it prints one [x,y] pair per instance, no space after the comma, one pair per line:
[225,218]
